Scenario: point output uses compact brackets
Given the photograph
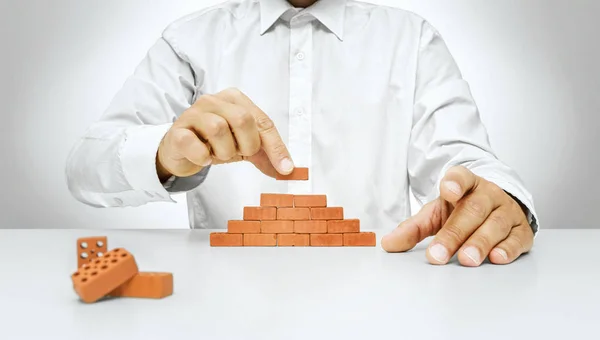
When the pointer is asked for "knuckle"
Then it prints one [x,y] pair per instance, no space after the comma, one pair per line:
[242,119]
[500,221]
[206,99]
[279,150]
[217,128]
[481,242]
[454,233]
[265,123]
[180,138]
[233,92]
[475,207]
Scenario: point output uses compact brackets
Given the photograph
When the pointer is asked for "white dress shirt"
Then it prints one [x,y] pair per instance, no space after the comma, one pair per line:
[368,97]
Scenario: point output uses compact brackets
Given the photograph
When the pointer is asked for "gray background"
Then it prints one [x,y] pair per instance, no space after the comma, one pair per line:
[533,66]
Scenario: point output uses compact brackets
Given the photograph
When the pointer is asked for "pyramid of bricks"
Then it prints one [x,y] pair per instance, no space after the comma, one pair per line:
[287,220]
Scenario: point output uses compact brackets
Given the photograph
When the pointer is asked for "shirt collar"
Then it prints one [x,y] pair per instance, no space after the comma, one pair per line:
[329,12]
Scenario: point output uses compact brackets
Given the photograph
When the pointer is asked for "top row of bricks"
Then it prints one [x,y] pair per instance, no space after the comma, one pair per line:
[293,201]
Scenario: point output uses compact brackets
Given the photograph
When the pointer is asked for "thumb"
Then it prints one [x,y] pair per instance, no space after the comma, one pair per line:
[409,233]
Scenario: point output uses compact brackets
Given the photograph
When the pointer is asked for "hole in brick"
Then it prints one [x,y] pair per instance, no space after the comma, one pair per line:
[99,243]
[84,255]
[104,267]
[83,245]
[76,274]
[97,261]
[107,256]
[114,261]
[94,273]
[123,255]
[92,251]
[86,267]
[117,250]
[100,254]
[84,279]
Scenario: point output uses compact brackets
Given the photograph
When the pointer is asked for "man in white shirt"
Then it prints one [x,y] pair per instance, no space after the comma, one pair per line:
[368,97]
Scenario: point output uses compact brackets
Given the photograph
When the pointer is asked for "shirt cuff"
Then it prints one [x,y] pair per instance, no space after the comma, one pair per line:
[176,185]
[138,158]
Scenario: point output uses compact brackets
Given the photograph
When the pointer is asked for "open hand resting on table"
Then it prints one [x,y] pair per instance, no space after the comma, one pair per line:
[222,128]
[472,217]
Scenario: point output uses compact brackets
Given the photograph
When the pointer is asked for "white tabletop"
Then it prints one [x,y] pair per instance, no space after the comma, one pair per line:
[302,293]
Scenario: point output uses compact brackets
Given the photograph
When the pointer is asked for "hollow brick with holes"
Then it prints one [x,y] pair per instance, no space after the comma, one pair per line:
[90,248]
[298,174]
[146,285]
[97,279]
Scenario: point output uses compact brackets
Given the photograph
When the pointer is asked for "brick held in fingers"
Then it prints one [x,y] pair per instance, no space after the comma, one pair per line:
[360,240]
[343,226]
[293,240]
[226,240]
[90,249]
[293,214]
[310,227]
[332,213]
[310,201]
[299,174]
[243,227]
[260,213]
[326,240]
[147,286]
[100,277]
[260,240]
[277,200]
[277,227]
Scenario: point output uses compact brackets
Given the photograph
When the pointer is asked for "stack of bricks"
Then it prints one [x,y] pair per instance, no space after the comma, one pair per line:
[287,220]
[114,273]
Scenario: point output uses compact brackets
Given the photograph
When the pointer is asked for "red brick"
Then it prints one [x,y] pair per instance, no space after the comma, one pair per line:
[309,201]
[260,213]
[343,226]
[360,240]
[293,214]
[327,213]
[90,249]
[277,227]
[299,174]
[146,286]
[260,240]
[276,200]
[243,227]
[97,279]
[326,240]
[293,240]
[226,240]
[310,227]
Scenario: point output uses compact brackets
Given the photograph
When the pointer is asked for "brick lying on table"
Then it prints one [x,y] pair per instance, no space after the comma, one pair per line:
[276,200]
[260,240]
[226,240]
[310,201]
[260,213]
[343,226]
[243,227]
[293,214]
[146,285]
[332,213]
[360,240]
[277,227]
[310,227]
[326,240]
[299,174]
[293,240]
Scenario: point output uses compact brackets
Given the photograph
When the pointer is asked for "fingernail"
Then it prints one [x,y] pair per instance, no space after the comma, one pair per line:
[439,253]
[502,253]
[286,165]
[473,254]
[453,187]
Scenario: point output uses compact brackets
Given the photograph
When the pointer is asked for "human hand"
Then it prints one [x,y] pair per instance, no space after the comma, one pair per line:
[472,217]
[222,128]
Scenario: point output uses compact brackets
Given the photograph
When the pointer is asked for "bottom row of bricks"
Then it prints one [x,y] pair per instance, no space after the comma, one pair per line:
[293,240]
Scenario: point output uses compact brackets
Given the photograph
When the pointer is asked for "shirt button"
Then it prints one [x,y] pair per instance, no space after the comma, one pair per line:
[119,201]
[300,56]
[299,111]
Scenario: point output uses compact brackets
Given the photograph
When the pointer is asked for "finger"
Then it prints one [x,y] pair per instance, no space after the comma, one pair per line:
[409,233]
[271,141]
[215,131]
[468,215]
[495,229]
[187,144]
[261,162]
[240,120]
[457,183]
[519,241]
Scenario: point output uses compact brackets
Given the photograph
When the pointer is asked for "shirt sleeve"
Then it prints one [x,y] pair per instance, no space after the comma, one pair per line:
[447,129]
[114,163]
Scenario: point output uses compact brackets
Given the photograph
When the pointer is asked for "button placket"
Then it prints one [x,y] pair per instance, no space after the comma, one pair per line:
[300,101]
